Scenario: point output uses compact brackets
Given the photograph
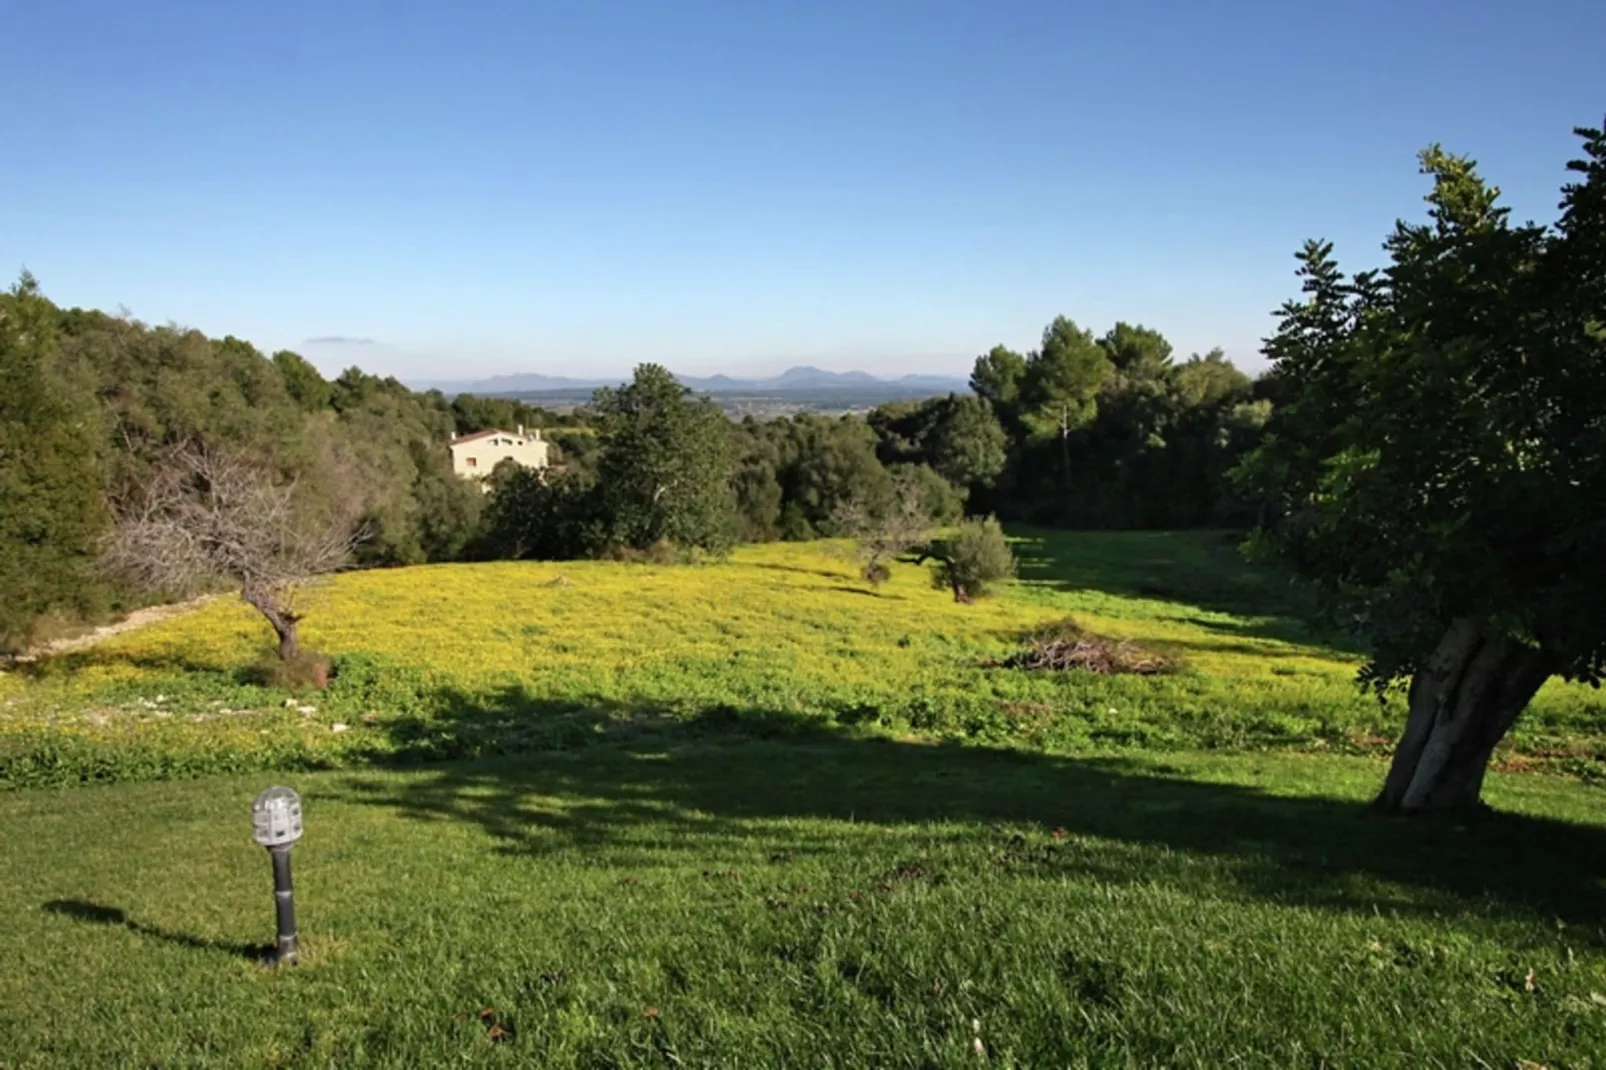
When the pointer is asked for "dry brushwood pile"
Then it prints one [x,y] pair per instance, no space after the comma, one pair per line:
[1064,645]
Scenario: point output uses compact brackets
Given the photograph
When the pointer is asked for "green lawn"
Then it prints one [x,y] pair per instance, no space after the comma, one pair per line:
[752,815]
[811,903]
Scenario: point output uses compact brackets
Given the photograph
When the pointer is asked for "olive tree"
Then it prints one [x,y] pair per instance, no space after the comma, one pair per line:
[971,562]
[1439,469]
[206,517]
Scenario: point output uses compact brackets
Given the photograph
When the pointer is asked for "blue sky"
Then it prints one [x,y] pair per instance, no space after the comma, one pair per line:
[573,187]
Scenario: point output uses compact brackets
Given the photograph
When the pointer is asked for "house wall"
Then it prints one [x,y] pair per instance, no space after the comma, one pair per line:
[475,458]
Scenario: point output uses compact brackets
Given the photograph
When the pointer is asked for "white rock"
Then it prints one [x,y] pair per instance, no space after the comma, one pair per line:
[338,727]
[307,709]
[290,703]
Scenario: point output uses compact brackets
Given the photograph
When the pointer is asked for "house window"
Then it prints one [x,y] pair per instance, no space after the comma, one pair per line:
[472,462]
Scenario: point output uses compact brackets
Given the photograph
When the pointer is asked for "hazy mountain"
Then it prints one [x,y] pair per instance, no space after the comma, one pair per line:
[714,382]
[509,384]
[812,378]
[804,379]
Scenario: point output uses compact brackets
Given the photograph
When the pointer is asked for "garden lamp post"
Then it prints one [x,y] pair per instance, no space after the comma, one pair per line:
[276,825]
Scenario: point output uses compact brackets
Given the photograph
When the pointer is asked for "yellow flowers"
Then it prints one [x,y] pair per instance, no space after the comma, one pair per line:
[495,655]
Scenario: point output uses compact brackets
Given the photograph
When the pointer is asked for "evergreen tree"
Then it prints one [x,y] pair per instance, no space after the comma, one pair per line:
[302,381]
[666,467]
[50,483]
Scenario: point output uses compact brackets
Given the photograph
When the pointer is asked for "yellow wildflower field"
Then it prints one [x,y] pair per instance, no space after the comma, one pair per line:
[446,660]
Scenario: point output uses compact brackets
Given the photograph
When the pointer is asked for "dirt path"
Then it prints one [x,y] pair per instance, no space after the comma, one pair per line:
[140,618]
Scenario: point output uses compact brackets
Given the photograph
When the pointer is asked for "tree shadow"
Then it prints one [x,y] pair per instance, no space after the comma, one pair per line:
[1278,629]
[1204,570]
[830,574]
[710,775]
[173,663]
[1184,647]
[98,914]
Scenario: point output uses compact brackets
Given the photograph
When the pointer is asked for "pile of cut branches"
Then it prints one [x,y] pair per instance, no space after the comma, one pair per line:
[1064,645]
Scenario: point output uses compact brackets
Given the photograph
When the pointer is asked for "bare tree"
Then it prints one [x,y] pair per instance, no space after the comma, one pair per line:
[884,530]
[207,517]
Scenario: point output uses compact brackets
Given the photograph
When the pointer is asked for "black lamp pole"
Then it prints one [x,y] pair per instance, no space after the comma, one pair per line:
[276,825]
[284,902]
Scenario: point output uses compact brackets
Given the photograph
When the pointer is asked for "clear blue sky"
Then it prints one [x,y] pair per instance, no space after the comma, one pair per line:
[573,187]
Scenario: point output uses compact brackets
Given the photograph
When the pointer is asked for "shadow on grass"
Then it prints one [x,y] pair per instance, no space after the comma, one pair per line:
[1201,569]
[1247,648]
[829,574]
[710,774]
[67,664]
[1279,629]
[97,914]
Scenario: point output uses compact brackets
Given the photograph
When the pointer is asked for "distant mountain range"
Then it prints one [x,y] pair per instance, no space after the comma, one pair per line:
[799,380]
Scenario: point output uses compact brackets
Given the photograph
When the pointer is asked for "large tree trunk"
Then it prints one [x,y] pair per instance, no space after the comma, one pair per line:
[283,620]
[1463,700]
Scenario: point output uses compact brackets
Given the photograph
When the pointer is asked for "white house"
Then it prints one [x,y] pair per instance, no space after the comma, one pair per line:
[474,456]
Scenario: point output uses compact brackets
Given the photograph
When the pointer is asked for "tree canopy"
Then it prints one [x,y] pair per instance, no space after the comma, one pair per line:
[49,472]
[1059,391]
[1101,432]
[666,465]
[1439,466]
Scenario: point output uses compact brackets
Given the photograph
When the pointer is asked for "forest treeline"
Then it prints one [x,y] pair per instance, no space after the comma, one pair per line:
[1084,431]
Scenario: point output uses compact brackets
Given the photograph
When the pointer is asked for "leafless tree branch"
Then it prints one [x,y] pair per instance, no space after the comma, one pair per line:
[207,517]
[884,530]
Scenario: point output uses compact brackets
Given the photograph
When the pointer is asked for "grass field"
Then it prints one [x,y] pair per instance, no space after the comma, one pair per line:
[751,815]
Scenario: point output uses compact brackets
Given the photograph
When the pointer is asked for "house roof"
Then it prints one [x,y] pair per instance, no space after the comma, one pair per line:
[476,436]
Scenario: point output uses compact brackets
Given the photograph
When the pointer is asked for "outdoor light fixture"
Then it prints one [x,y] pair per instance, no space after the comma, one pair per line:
[276,825]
